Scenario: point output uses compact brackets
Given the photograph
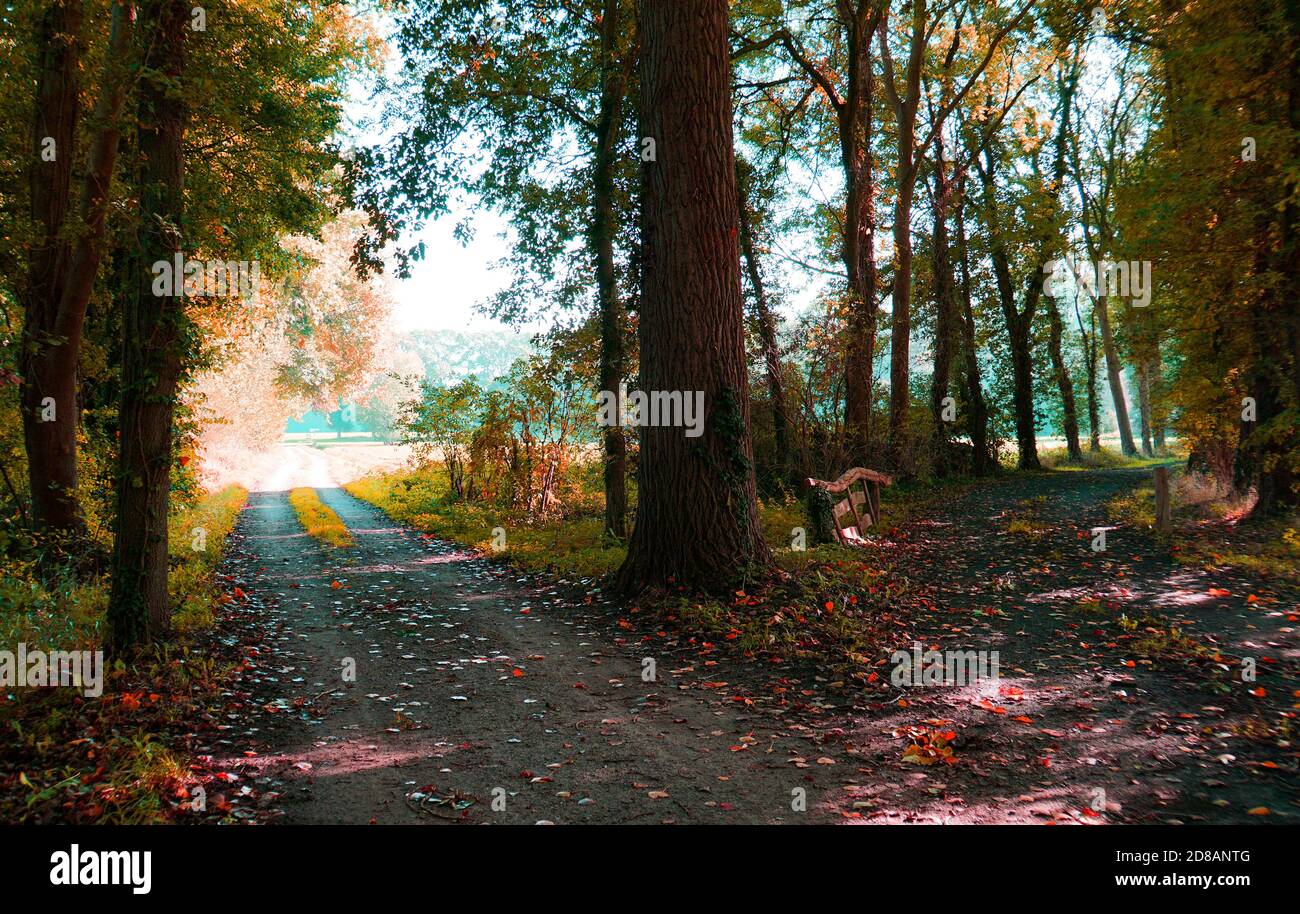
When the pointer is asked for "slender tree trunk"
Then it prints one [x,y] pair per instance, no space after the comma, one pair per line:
[945,309]
[603,231]
[1089,337]
[855,122]
[1114,374]
[1022,395]
[1157,416]
[47,363]
[1064,385]
[1144,408]
[1019,326]
[154,338]
[900,322]
[697,517]
[977,413]
[905,106]
[766,331]
[1060,370]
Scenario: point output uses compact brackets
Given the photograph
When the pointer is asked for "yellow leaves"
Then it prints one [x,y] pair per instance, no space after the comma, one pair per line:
[318,519]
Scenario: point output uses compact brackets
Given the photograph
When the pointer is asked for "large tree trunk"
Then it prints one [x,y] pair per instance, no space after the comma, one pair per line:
[154,339]
[47,363]
[855,121]
[1114,377]
[766,331]
[1064,385]
[63,269]
[697,518]
[1278,487]
[603,231]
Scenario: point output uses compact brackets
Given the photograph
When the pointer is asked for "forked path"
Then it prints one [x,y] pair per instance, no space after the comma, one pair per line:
[479,696]
[482,695]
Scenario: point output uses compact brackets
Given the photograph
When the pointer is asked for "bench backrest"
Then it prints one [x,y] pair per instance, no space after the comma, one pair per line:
[855,502]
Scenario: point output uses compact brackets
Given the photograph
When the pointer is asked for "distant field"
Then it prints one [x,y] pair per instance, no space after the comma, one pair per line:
[325,439]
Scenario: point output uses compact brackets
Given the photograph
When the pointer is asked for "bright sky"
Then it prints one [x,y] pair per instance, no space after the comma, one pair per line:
[445,287]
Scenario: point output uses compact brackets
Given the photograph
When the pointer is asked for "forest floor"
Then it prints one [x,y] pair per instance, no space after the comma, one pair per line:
[483,694]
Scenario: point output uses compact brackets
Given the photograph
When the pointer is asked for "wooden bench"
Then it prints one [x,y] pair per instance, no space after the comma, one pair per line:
[855,495]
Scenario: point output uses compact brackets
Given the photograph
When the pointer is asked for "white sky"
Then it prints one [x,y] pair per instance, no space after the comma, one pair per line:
[445,287]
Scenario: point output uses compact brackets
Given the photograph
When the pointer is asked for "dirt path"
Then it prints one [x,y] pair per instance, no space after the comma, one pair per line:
[1083,726]
[473,686]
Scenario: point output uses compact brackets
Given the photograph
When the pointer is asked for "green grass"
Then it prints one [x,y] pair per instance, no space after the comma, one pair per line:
[319,519]
[106,759]
[1026,518]
[69,614]
[575,544]
[568,546]
[195,557]
[1105,459]
[1270,550]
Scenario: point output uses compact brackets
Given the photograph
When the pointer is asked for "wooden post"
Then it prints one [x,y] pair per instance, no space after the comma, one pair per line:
[1163,511]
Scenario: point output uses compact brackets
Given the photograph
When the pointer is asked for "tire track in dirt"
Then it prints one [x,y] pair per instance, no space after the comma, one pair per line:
[473,684]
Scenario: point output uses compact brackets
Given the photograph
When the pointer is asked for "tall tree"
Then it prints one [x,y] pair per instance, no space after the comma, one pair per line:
[840,73]
[65,260]
[1019,319]
[983,460]
[954,312]
[1067,85]
[905,98]
[609,121]
[697,518]
[155,335]
[1097,175]
[525,85]
[765,321]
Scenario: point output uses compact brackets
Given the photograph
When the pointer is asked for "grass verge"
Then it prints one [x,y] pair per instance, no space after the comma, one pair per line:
[318,519]
[112,758]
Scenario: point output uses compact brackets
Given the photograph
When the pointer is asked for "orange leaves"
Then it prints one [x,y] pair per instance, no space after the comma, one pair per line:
[989,706]
[932,749]
[929,746]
